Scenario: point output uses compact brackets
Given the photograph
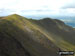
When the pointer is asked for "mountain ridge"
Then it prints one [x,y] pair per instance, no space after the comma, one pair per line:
[38,37]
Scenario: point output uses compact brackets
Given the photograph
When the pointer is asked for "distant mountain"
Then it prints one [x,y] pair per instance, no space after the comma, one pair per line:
[20,36]
[69,20]
[72,24]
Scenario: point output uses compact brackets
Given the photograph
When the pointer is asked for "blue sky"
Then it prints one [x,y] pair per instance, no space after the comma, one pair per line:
[39,8]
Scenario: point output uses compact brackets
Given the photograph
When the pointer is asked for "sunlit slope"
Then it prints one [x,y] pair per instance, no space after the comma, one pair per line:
[32,40]
[61,34]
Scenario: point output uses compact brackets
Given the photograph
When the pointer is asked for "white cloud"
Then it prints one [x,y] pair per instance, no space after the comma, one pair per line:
[32,4]
[34,7]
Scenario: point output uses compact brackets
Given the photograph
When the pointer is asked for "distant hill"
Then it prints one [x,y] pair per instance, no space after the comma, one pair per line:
[20,36]
[69,20]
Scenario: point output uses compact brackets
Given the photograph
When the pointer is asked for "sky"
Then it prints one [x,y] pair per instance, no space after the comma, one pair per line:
[38,8]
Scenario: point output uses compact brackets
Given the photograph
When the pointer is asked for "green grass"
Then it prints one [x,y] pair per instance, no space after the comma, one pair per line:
[39,37]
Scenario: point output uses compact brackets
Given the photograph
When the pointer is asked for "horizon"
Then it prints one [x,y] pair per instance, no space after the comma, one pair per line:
[61,18]
[36,9]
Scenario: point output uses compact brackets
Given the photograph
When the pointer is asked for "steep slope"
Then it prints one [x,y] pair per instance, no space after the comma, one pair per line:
[18,31]
[62,34]
[34,37]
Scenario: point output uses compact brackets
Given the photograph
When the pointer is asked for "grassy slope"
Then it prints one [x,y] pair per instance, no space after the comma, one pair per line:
[31,38]
[62,35]
[42,37]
